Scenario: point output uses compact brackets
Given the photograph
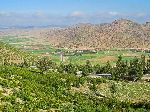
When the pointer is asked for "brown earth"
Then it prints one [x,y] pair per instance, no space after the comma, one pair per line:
[130,55]
[104,59]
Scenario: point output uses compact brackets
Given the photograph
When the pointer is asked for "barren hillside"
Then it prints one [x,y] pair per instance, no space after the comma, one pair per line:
[118,34]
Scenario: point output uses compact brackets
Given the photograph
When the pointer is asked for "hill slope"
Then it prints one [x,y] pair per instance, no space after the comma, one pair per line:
[24,90]
[119,34]
[9,54]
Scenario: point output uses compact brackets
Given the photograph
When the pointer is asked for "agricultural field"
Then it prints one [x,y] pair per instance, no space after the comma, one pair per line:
[101,57]
[14,40]
[44,49]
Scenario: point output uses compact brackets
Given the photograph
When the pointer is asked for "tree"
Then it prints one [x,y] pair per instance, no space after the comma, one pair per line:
[61,68]
[107,68]
[135,70]
[70,68]
[98,69]
[45,64]
[118,69]
[148,65]
[93,85]
[143,63]
[87,68]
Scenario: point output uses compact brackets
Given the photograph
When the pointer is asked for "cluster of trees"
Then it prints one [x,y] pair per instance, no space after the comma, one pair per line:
[132,70]
[53,91]
[124,70]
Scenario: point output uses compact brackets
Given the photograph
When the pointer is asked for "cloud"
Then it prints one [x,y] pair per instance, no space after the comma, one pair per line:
[5,14]
[113,13]
[141,14]
[40,14]
[40,18]
[77,14]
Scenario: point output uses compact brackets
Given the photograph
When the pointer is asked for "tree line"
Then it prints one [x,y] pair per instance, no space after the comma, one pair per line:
[123,70]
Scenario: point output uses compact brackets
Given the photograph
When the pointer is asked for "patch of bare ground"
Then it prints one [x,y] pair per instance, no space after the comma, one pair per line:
[82,88]
[4,103]
[103,86]
[19,100]
[104,59]
[7,91]
[130,54]
[146,79]
[108,58]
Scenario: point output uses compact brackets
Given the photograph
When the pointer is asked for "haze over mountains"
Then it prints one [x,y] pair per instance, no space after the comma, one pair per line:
[118,34]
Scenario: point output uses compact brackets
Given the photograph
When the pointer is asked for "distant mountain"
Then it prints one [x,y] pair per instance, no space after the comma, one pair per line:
[31,27]
[118,34]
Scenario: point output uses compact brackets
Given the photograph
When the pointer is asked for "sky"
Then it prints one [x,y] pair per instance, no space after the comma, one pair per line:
[68,12]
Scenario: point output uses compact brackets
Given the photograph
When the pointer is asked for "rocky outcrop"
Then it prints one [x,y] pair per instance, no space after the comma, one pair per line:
[119,34]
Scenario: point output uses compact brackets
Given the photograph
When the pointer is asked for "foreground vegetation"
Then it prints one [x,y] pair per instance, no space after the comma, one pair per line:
[24,89]
[40,84]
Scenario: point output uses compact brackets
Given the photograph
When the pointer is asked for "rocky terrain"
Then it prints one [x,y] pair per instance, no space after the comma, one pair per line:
[118,34]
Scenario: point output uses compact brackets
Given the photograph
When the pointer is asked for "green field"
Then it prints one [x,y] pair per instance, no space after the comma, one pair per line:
[100,57]
[13,39]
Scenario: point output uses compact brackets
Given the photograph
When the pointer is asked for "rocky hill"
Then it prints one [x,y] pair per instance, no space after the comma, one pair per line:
[119,34]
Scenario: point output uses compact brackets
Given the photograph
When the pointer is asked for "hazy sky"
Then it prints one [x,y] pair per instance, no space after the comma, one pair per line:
[66,12]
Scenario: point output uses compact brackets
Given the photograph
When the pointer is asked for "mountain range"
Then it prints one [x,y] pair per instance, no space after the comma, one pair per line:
[118,34]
